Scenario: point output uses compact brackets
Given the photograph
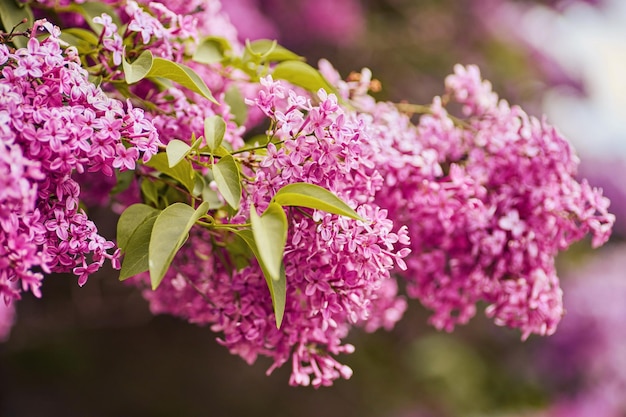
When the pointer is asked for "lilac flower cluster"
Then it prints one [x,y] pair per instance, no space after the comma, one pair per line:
[171,29]
[196,18]
[54,123]
[158,28]
[490,201]
[338,270]
[168,28]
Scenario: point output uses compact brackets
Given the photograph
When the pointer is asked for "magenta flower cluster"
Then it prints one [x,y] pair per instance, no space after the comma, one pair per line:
[54,123]
[490,200]
[171,30]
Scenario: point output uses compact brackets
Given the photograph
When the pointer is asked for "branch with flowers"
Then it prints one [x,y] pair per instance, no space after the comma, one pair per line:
[269,199]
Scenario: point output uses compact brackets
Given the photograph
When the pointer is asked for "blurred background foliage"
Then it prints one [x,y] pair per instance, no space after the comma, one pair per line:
[97,351]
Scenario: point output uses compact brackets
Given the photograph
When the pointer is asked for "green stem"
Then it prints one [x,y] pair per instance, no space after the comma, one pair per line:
[229,227]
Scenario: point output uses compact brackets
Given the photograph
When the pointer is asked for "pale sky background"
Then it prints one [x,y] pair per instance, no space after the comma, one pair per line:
[590,43]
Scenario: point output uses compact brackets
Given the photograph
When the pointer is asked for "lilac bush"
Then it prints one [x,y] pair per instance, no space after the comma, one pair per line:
[271,200]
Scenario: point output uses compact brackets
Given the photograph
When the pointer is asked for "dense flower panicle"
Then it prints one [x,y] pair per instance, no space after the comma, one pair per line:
[346,280]
[490,201]
[167,32]
[54,123]
[172,29]
[207,16]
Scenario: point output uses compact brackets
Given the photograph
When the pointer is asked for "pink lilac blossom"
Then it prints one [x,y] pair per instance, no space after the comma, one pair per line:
[191,19]
[180,113]
[171,29]
[54,123]
[346,281]
[490,201]
[508,204]
[159,29]
[367,290]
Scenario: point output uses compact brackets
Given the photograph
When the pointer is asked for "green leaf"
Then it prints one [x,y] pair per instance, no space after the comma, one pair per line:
[238,250]
[150,191]
[136,257]
[180,74]
[85,35]
[169,233]
[228,179]
[301,74]
[238,107]
[270,51]
[147,66]
[220,152]
[133,237]
[270,235]
[195,142]
[130,220]
[211,50]
[199,183]
[176,151]
[139,69]
[182,172]
[89,10]
[95,80]
[214,130]
[84,40]
[170,195]
[312,196]
[12,13]
[277,288]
